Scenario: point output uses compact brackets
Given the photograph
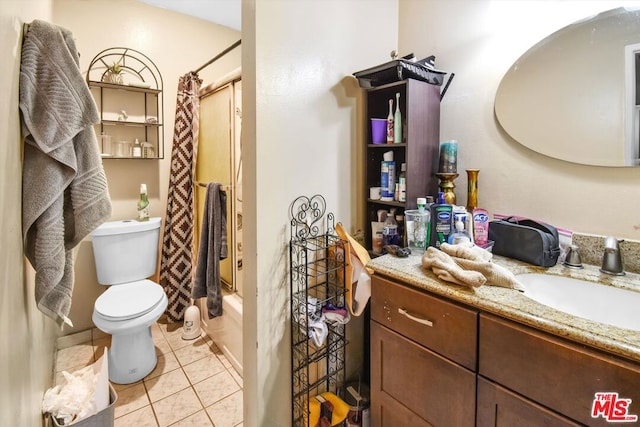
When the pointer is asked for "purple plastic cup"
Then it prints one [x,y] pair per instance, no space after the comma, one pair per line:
[379,131]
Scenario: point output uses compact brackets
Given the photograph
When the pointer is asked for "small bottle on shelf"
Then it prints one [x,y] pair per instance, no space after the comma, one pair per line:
[402,183]
[143,204]
[397,122]
[390,125]
[147,150]
[136,151]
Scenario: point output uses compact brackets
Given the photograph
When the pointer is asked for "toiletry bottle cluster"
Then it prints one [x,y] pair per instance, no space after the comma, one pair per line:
[388,230]
[437,222]
[393,186]
[454,224]
[122,148]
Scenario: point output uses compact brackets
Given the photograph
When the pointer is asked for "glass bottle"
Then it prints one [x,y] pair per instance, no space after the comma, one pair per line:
[106,144]
[136,151]
[143,204]
[397,122]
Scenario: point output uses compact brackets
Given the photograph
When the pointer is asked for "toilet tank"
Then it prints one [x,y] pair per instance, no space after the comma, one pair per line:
[126,251]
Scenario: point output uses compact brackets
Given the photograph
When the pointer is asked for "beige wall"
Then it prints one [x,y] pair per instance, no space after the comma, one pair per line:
[479,40]
[27,337]
[176,43]
[305,134]
[302,136]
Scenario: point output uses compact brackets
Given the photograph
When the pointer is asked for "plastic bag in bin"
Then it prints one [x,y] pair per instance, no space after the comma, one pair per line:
[84,393]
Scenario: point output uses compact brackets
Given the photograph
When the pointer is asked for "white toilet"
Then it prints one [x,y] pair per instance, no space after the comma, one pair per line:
[126,253]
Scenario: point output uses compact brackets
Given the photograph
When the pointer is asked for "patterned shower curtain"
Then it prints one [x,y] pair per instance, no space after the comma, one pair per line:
[177,247]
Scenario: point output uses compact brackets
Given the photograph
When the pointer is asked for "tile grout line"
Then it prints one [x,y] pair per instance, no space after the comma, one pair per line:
[204,408]
[191,385]
[153,409]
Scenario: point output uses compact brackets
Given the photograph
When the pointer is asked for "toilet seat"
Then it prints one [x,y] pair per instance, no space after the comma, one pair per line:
[129,300]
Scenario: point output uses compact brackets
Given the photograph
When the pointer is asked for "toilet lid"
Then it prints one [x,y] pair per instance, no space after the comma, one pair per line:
[129,300]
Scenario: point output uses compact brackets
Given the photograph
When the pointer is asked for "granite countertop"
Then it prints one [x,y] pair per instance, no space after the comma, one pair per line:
[514,305]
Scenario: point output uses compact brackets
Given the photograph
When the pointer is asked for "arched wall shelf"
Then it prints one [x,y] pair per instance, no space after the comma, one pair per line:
[127,87]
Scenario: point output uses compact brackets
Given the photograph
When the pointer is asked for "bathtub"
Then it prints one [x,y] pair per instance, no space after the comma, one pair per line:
[226,330]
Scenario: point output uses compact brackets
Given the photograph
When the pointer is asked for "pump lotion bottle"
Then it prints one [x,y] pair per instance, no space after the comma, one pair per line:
[441,216]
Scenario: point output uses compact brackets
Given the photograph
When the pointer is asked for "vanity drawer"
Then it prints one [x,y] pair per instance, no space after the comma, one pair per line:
[556,373]
[446,328]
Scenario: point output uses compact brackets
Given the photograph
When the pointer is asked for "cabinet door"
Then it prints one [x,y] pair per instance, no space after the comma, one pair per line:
[411,385]
[499,407]
[558,374]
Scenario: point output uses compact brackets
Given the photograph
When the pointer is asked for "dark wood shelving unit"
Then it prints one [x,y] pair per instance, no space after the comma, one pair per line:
[420,108]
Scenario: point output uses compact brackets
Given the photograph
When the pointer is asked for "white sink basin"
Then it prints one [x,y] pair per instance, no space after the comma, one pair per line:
[593,301]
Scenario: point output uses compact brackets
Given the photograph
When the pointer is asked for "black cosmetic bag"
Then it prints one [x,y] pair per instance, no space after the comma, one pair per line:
[526,240]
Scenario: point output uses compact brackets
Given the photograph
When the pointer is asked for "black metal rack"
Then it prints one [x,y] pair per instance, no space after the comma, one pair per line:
[317,271]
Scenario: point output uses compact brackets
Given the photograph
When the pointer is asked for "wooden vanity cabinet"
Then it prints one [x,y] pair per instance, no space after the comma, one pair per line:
[423,358]
[436,362]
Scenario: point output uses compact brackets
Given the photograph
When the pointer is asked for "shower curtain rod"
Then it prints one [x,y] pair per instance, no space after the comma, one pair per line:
[218,56]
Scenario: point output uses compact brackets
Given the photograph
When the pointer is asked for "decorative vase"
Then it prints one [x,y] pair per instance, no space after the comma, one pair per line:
[472,189]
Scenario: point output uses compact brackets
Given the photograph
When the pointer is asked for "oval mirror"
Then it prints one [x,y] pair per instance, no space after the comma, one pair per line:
[573,95]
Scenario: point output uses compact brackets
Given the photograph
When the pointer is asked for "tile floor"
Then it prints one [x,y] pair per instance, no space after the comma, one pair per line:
[192,385]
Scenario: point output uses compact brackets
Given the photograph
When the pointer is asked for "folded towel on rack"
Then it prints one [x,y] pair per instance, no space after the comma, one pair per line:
[64,188]
[212,249]
[358,277]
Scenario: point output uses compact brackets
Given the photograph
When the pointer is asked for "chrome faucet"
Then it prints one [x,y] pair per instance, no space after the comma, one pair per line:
[572,258]
[612,258]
